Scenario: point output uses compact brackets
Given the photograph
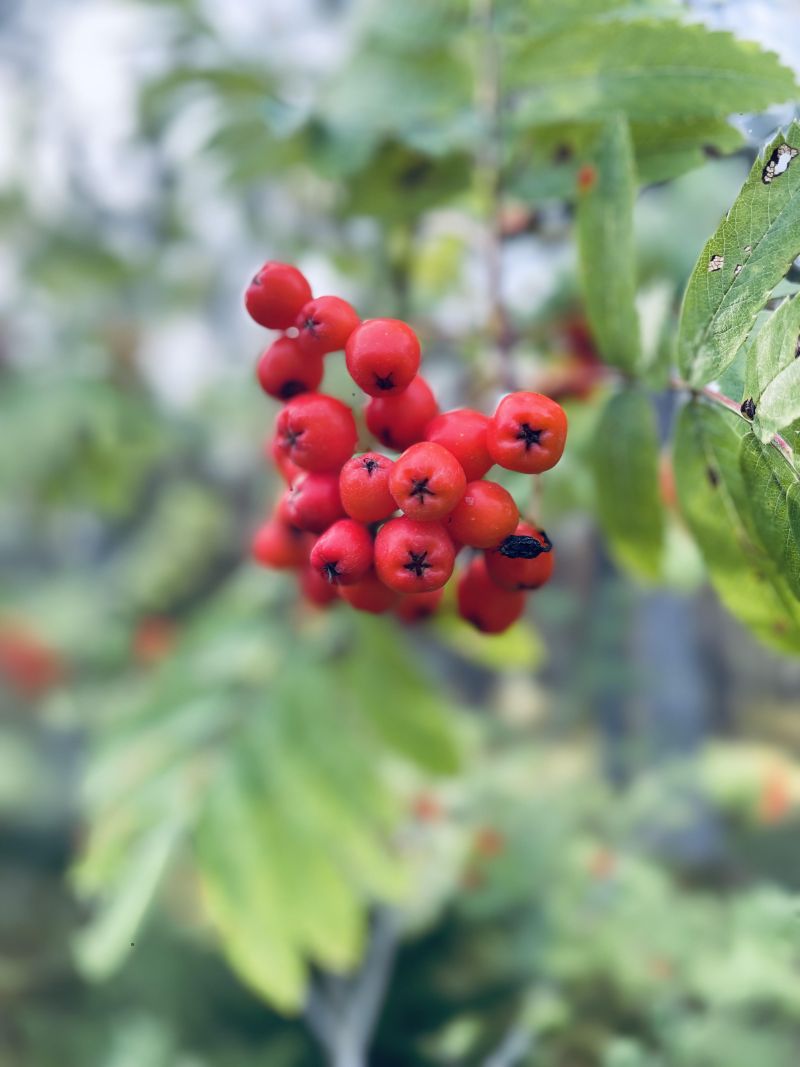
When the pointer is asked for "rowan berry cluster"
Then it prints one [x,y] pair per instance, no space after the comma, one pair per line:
[382,533]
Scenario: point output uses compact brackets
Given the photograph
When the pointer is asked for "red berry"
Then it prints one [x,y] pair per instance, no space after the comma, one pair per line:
[316,589]
[283,370]
[325,325]
[485,515]
[413,557]
[364,487]
[463,432]
[274,452]
[419,606]
[317,432]
[527,433]
[276,294]
[343,554]
[382,356]
[401,421]
[523,561]
[489,608]
[312,502]
[427,482]
[370,594]
[276,544]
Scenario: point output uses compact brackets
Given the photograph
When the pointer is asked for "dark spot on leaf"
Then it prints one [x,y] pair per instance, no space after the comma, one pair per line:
[710,151]
[712,476]
[416,173]
[563,153]
[778,163]
[716,263]
[748,408]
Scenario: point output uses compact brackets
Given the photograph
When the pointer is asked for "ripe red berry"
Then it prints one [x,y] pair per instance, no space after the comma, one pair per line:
[283,371]
[463,432]
[527,433]
[312,502]
[485,515]
[274,452]
[401,421]
[276,544]
[364,487]
[317,432]
[343,554]
[325,324]
[522,561]
[419,606]
[382,356]
[427,482]
[370,594]
[413,557]
[489,608]
[276,294]
[316,589]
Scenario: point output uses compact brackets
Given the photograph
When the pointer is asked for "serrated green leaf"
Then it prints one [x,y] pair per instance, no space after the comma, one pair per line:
[779,405]
[772,350]
[773,494]
[740,265]
[713,500]
[647,70]
[605,245]
[625,468]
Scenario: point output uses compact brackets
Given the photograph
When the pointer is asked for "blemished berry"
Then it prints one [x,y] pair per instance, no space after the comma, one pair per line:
[279,545]
[463,432]
[324,325]
[485,515]
[312,502]
[427,482]
[527,433]
[283,371]
[522,561]
[343,554]
[316,589]
[401,421]
[484,604]
[382,356]
[276,294]
[413,557]
[417,607]
[317,432]
[370,594]
[364,487]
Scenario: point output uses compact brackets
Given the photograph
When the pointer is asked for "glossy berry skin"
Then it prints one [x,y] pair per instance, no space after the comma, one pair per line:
[527,433]
[413,557]
[523,561]
[370,594]
[383,356]
[463,432]
[278,545]
[283,371]
[317,432]
[427,482]
[485,515]
[364,487]
[343,554]
[419,606]
[485,605]
[312,502]
[401,421]
[276,294]
[274,452]
[324,325]
[316,589]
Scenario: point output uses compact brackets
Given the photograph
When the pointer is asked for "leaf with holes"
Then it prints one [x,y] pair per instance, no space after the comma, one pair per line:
[605,245]
[751,251]
[773,495]
[625,467]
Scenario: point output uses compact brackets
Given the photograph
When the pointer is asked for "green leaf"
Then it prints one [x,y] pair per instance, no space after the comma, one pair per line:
[773,493]
[102,945]
[779,405]
[772,350]
[605,245]
[625,467]
[713,500]
[651,71]
[755,244]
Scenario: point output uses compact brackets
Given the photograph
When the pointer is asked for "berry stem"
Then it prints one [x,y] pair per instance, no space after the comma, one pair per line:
[716,397]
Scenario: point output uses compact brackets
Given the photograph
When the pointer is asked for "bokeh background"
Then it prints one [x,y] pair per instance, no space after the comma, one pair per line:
[238,831]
